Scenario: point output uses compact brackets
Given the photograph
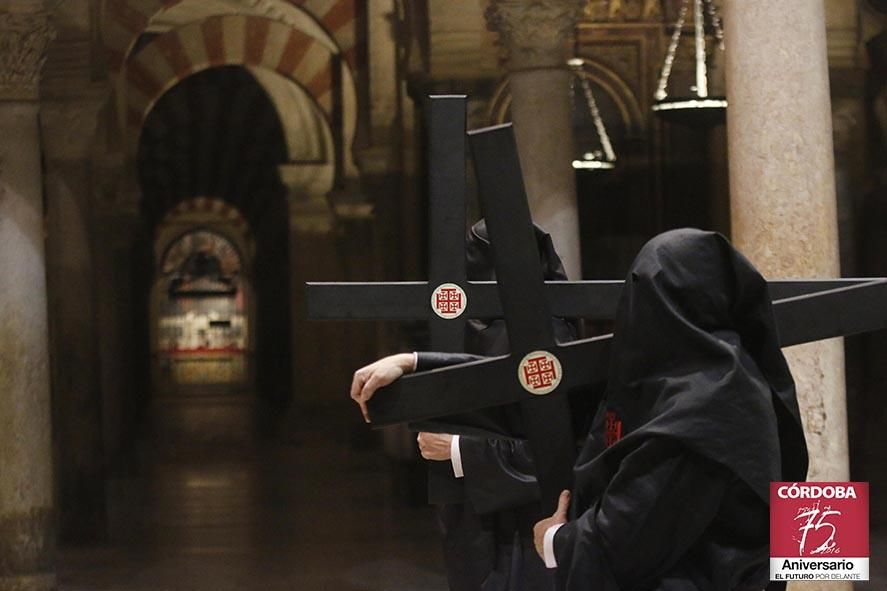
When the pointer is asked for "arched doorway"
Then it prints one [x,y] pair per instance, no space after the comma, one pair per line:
[201,316]
[202,312]
[219,274]
[254,104]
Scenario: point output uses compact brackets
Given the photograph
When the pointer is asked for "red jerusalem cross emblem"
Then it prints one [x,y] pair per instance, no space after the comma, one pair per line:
[539,372]
[612,428]
[448,300]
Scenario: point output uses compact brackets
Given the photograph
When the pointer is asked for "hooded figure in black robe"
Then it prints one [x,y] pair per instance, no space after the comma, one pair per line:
[700,414]
[487,516]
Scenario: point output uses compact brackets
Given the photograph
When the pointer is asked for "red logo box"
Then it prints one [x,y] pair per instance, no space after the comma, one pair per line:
[819,530]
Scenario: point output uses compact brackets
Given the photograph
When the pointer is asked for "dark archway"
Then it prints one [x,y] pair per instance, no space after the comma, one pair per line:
[217,134]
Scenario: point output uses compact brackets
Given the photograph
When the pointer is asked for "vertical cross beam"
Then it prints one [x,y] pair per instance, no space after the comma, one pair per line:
[446,263]
[522,292]
[447,285]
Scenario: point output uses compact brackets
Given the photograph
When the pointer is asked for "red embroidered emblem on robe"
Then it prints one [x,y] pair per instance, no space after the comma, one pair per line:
[612,428]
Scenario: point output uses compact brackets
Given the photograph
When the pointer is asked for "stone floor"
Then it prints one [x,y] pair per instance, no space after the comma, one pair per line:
[310,511]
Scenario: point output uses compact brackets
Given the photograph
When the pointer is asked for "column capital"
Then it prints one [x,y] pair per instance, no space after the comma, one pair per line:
[534,33]
[24,38]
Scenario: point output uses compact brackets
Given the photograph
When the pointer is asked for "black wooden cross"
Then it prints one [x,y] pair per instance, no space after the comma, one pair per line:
[537,364]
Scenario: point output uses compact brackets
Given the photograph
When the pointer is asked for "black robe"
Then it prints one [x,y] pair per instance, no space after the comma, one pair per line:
[699,416]
[487,517]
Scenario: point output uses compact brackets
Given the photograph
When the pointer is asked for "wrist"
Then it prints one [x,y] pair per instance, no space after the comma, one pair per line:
[548,555]
[406,362]
[456,457]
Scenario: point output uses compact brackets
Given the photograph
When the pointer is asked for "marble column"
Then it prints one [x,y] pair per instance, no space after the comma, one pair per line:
[535,36]
[782,185]
[114,210]
[77,401]
[381,158]
[27,520]
[310,231]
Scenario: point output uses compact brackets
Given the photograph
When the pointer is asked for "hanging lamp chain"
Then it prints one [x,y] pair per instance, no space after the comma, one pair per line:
[716,23]
[609,153]
[701,69]
[662,88]
[700,9]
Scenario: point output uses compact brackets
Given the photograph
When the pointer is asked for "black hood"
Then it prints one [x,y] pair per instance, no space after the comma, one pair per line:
[479,255]
[696,358]
[489,336]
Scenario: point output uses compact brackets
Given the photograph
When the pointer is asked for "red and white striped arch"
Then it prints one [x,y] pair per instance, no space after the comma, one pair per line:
[126,20]
[225,40]
[215,209]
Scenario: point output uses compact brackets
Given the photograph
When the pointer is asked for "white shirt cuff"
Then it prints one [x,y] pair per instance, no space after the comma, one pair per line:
[456,457]
[415,360]
[548,545]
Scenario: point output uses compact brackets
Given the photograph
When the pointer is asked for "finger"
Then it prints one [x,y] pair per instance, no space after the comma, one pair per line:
[563,503]
[364,411]
[370,387]
[356,384]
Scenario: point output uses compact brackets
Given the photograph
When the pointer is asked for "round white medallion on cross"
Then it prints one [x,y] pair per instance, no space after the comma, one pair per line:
[539,372]
[448,301]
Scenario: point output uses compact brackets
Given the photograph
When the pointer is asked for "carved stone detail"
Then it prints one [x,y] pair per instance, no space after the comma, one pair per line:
[534,33]
[24,37]
[652,10]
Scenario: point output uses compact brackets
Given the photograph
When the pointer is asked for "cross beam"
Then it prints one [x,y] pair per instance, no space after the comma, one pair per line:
[446,228]
[525,306]
[594,300]
[840,312]
[446,252]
